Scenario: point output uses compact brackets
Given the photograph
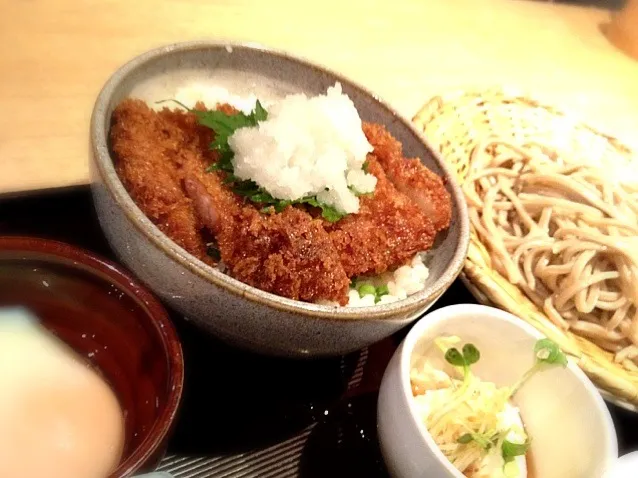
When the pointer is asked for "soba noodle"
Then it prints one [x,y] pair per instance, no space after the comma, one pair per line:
[566,234]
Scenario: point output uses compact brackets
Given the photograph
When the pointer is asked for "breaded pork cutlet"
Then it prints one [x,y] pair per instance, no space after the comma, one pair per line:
[387,232]
[148,151]
[289,254]
[162,157]
[411,177]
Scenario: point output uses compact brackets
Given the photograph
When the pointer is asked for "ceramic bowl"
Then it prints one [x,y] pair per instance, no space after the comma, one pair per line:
[236,312]
[106,316]
[571,429]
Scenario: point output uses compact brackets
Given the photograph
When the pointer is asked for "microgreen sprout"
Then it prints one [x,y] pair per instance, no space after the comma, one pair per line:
[487,436]
[469,356]
[509,450]
[454,357]
[547,354]
[463,359]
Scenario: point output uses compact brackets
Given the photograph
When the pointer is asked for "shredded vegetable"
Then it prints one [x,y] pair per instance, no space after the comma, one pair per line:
[473,421]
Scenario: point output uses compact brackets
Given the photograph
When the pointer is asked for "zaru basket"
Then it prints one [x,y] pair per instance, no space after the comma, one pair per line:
[455,124]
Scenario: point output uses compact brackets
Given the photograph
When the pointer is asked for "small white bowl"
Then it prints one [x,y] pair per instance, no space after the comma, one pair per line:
[572,433]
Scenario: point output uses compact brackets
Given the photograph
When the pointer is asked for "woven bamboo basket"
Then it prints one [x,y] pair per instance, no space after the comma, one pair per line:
[455,124]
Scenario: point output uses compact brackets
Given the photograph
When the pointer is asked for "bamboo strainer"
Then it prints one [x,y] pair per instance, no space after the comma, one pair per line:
[455,124]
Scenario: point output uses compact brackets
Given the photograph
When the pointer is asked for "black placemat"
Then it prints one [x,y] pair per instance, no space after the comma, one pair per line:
[245,415]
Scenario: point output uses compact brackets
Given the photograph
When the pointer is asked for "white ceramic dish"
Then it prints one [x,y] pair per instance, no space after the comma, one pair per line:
[572,433]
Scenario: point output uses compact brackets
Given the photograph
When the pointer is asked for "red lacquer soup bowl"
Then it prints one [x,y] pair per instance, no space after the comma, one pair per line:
[107,317]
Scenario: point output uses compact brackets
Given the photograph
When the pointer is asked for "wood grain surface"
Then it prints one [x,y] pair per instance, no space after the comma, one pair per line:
[56,54]
[623,29]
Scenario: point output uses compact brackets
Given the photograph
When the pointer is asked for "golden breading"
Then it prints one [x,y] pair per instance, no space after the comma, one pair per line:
[148,150]
[162,157]
[411,177]
[387,232]
[289,254]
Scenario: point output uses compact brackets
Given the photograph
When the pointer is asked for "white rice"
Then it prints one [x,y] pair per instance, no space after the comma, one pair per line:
[213,96]
[401,283]
[308,146]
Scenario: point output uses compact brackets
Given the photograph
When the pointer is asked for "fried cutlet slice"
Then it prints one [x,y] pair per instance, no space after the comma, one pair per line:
[289,254]
[387,232]
[411,177]
[161,159]
[148,150]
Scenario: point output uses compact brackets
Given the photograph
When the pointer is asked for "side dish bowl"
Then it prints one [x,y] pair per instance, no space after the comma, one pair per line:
[108,318]
[234,311]
[571,430]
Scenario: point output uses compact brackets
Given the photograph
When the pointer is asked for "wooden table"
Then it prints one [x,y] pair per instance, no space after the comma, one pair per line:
[56,54]
[623,29]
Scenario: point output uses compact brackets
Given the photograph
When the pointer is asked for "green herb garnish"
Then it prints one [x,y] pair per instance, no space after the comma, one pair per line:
[329,213]
[470,356]
[465,439]
[547,355]
[511,450]
[224,126]
[547,352]
[454,357]
[213,251]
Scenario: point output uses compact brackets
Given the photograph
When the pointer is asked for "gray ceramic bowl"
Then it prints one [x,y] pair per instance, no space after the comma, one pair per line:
[231,310]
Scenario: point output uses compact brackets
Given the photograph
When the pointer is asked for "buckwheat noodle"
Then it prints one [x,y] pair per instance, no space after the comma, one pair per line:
[565,233]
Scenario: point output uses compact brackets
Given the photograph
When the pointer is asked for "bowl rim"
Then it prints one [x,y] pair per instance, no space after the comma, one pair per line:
[445,313]
[106,171]
[158,316]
